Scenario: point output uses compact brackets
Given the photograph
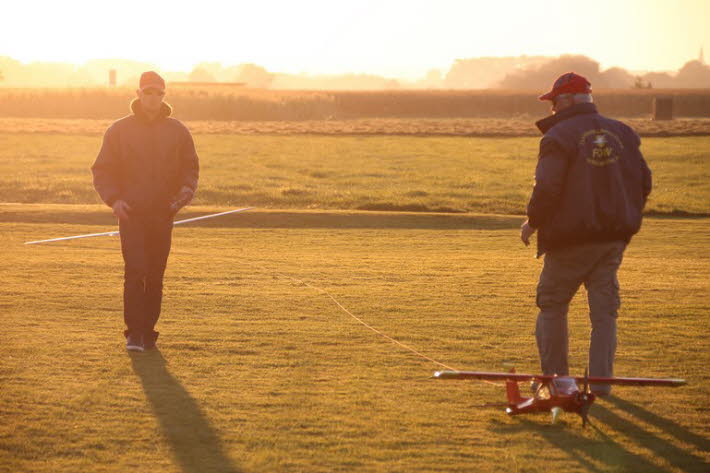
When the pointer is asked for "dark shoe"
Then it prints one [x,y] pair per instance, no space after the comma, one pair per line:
[134,343]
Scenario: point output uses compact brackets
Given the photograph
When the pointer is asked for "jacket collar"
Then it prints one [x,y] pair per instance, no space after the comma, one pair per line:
[165,110]
[546,123]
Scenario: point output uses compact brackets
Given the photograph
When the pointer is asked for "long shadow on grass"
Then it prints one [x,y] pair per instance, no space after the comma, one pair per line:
[661,448]
[664,424]
[596,455]
[602,453]
[193,440]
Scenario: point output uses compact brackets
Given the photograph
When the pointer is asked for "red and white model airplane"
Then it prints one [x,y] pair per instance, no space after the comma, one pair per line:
[554,393]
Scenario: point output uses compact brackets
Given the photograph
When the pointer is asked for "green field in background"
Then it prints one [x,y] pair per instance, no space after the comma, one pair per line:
[491,175]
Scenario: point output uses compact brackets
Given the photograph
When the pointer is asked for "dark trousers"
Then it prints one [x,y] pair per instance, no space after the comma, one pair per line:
[145,244]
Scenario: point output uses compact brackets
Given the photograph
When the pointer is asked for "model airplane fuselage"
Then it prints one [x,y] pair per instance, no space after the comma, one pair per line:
[559,394]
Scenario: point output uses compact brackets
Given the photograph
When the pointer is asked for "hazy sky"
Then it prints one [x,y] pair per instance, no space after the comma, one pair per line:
[396,38]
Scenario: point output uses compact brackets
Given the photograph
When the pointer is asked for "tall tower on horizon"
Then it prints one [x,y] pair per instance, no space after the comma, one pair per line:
[701,56]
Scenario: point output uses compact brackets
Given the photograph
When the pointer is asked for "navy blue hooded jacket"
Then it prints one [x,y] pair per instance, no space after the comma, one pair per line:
[591,181]
[146,163]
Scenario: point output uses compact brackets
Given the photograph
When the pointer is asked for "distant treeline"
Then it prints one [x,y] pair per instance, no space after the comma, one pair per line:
[221,103]
[508,103]
[538,73]
[517,72]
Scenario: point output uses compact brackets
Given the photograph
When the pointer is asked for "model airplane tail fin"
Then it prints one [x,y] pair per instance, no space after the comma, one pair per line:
[512,390]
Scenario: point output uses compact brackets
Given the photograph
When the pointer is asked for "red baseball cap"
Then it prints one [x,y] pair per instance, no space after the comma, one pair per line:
[568,83]
[151,80]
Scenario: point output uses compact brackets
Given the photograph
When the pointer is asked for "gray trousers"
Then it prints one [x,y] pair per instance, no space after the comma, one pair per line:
[595,265]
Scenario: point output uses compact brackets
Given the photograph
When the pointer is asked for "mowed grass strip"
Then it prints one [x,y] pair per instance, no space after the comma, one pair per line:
[522,125]
[440,174]
[257,372]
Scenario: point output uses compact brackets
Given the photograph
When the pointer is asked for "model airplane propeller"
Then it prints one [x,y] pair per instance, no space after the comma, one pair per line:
[554,393]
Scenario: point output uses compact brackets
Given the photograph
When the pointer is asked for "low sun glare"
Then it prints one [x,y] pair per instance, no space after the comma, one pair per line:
[395,38]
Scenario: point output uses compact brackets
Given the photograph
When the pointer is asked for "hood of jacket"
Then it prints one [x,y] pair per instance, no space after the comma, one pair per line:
[165,109]
[547,123]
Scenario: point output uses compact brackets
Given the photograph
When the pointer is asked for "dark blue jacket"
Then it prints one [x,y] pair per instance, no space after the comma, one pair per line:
[591,181]
[146,163]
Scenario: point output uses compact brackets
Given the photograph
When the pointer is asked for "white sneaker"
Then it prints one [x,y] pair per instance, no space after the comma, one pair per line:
[134,343]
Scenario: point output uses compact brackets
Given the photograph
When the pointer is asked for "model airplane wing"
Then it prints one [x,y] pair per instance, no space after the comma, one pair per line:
[484,375]
[633,381]
[520,377]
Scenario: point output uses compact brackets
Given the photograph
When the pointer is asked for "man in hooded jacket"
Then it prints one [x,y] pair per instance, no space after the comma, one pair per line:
[146,171]
[591,185]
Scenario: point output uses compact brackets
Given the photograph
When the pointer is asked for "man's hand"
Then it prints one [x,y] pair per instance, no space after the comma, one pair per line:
[183,198]
[121,209]
[526,231]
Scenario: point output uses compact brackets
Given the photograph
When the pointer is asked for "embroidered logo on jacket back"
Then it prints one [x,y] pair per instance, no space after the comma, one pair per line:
[600,147]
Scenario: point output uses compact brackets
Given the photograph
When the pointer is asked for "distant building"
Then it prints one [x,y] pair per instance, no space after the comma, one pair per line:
[701,56]
[183,83]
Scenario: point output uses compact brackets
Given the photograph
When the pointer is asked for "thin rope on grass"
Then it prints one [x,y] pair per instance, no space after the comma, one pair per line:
[362,322]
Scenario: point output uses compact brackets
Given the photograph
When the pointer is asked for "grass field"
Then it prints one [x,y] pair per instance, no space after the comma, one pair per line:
[259,373]
[349,172]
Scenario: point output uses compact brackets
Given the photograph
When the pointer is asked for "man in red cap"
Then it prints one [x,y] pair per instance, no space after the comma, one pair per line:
[591,185]
[147,170]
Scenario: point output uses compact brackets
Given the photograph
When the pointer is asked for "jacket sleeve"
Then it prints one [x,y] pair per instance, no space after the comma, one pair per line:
[107,170]
[550,177]
[645,174]
[190,163]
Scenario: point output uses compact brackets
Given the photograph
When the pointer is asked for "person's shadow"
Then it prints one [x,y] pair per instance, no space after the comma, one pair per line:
[596,455]
[661,448]
[194,442]
[601,452]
